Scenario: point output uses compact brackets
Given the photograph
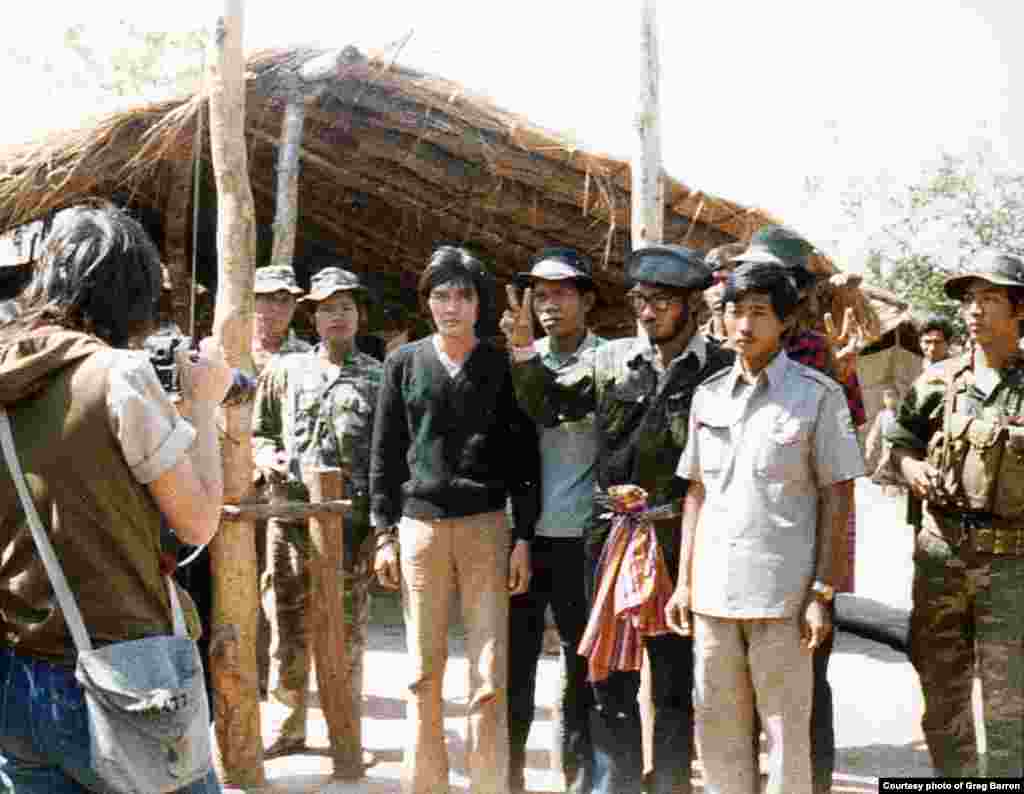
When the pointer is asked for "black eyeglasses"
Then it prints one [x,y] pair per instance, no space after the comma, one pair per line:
[659,302]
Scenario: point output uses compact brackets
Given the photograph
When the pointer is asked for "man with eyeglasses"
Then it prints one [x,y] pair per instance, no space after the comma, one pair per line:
[638,391]
[317,408]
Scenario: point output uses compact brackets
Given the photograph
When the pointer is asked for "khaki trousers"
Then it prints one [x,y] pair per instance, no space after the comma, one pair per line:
[437,557]
[742,665]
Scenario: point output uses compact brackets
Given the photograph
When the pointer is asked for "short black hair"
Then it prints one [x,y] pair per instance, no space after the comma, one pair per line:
[775,281]
[450,263]
[936,322]
[99,273]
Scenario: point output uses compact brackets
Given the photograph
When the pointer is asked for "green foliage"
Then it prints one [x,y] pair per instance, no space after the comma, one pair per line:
[144,64]
[960,207]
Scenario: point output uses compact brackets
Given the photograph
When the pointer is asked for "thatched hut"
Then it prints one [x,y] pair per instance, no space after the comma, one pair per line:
[393,162]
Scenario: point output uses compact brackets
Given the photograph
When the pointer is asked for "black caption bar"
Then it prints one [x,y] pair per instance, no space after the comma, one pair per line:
[925,785]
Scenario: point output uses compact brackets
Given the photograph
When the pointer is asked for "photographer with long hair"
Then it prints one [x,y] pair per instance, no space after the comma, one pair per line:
[107,458]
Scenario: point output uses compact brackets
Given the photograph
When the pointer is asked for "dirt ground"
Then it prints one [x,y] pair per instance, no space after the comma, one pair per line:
[877,697]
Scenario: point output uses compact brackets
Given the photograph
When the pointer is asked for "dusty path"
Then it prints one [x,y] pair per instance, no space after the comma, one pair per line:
[877,697]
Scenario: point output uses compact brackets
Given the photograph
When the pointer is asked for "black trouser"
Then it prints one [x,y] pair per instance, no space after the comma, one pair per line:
[615,722]
[557,579]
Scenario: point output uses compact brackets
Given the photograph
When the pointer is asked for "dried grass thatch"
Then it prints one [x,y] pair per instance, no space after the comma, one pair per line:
[393,162]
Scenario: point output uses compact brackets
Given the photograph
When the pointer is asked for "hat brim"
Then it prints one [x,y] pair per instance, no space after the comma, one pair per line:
[323,294]
[954,286]
[758,256]
[553,270]
[265,290]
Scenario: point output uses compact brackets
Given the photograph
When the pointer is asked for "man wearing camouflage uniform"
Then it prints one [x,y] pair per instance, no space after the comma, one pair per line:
[317,408]
[276,294]
[638,392]
[276,299]
[958,443]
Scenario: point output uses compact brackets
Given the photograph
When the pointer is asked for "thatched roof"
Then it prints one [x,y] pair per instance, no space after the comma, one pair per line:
[394,161]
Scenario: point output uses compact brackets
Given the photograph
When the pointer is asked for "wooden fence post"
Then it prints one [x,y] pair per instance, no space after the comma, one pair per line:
[338,699]
[233,550]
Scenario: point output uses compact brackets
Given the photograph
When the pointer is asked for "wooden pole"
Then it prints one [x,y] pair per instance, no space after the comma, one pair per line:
[338,698]
[647,223]
[287,205]
[648,228]
[233,550]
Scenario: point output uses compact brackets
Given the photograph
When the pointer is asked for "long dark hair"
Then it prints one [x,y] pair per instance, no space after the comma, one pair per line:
[451,263]
[99,273]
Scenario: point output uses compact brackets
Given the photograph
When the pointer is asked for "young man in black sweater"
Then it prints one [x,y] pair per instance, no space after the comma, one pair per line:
[450,447]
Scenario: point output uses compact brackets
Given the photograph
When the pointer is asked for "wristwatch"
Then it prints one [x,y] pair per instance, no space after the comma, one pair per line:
[825,592]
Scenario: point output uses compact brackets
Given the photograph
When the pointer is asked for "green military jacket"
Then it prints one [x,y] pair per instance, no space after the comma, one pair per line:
[320,414]
[291,344]
[921,414]
[641,415]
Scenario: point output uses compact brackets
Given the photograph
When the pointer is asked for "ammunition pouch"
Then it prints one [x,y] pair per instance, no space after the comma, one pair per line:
[984,533]
[980,467]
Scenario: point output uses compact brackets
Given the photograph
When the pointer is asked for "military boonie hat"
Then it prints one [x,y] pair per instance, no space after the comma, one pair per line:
[790,247]
[331,280]
[995,267]
[275,278]
[558,264]
[669,265]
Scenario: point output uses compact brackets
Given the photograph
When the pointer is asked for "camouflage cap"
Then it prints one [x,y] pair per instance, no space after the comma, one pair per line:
[275,278]
[669,265]
[331,280]
[996,267]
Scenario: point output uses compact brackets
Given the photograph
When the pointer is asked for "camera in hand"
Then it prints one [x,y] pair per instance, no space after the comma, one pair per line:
[161,348]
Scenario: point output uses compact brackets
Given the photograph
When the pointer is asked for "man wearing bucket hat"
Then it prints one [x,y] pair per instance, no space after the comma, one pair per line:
[637,391]
[563,292]
[276,298]
[957,442]
[274,307]
[317,408]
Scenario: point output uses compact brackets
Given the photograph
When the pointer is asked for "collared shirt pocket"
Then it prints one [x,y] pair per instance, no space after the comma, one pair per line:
[785,453]
[714,440]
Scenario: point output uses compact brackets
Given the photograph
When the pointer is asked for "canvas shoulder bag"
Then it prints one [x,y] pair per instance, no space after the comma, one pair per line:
[149,719]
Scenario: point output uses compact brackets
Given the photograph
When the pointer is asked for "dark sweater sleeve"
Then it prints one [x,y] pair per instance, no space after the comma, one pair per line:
[388,466]
[523,467]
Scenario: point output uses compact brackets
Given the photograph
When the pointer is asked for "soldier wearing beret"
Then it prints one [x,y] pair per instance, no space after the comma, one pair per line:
[959,443]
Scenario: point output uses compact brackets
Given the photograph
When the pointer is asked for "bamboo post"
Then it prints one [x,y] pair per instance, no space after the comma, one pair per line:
[233,550]
[326,617]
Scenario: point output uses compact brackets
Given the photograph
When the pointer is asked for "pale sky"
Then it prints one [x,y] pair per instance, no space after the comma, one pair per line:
[757,98]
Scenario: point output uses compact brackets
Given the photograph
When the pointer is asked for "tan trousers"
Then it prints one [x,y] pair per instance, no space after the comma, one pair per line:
[470,554]
[742,665]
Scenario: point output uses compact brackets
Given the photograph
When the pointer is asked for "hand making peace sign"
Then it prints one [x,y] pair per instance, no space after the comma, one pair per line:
[517,320]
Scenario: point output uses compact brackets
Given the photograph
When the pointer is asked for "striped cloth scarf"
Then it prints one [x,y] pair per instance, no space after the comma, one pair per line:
[632,591]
